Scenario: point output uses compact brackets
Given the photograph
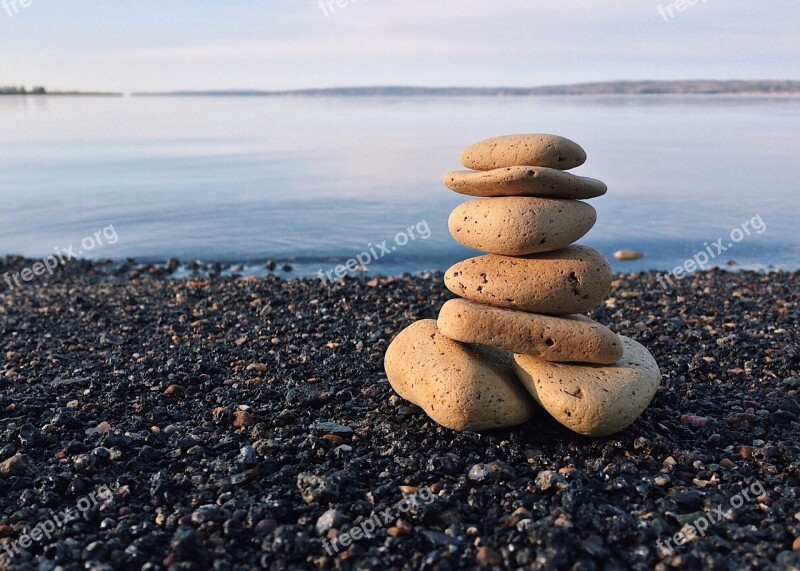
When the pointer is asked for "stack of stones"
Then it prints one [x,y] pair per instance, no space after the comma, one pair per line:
[515,337]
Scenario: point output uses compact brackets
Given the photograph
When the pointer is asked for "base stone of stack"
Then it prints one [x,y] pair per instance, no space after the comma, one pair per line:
[462,387]
[571,338]
[524,181]
[534,150]
[572,280]
[593,400]
[520,225]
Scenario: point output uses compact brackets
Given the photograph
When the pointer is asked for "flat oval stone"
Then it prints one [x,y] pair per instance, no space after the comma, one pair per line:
[460,386]
[524,181]
[523,150]
[595,400]
[520,225]
[572,280]
[571,338]
[628,255]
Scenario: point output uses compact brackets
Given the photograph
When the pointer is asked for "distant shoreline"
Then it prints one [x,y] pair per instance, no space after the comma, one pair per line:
[694,87]
[754,88]
[65,94]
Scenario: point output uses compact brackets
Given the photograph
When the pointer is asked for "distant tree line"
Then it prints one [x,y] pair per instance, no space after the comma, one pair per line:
[22,91]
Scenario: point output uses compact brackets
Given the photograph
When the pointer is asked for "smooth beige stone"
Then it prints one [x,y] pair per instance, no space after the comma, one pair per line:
[627,255]
[595,400]
[462,387]
[571,338]
[520,225]
[523,150]
[572,280]
[524,181]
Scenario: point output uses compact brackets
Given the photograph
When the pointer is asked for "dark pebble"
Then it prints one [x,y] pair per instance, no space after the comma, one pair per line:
[334,428]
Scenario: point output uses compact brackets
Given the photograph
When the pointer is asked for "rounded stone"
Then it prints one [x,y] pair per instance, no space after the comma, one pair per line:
[520,225]
[594,400]
[571,338]
[628,255]
[534,150]
[524,181]
[460,386]
[572,280]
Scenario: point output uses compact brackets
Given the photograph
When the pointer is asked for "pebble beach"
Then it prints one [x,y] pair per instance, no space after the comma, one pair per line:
[239,423]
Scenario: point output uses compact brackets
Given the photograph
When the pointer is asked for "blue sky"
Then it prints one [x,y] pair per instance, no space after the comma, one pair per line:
[285,44]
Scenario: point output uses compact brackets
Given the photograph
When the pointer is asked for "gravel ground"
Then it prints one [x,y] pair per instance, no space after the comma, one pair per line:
[239,422]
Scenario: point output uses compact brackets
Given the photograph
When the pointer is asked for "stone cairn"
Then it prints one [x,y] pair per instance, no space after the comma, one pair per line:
[515,338]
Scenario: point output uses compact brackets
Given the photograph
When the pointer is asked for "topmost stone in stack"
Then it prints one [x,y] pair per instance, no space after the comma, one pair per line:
[517,324]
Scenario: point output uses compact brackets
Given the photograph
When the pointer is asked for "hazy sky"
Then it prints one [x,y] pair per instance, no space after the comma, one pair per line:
[284,44]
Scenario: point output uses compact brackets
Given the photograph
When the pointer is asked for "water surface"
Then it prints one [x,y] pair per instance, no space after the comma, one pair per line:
[317,180]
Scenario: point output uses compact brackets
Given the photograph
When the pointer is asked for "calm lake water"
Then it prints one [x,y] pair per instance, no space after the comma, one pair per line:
[317,180]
